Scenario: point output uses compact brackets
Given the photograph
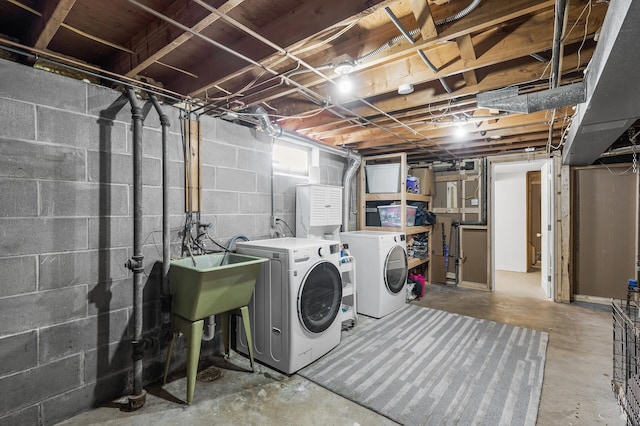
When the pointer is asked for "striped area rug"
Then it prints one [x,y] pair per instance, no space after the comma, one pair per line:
[420,366]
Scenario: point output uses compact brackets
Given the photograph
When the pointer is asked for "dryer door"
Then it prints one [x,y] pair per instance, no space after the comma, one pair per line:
[320,297]
[396,269]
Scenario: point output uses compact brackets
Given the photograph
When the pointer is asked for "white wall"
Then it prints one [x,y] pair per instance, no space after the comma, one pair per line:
[510,221]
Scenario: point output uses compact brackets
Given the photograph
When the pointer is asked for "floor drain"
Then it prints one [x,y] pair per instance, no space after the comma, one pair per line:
[209,375]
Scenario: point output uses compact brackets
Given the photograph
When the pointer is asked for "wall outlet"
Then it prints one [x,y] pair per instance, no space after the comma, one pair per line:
[474,201]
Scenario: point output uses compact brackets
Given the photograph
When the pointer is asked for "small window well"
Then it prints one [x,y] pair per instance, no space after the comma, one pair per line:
[290,159]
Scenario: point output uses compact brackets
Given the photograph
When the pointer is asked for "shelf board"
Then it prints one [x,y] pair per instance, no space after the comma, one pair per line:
[418,229]
[409,231]
[397,196]
[414,261]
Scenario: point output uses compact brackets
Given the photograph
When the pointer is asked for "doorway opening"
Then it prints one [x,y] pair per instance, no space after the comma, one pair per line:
[522,228]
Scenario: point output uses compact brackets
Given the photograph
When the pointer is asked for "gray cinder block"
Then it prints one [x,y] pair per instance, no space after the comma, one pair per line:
[19,198]
[27,416]
[34,310]
[254,203]
[258,161]
[35,161]
[42,87]
[235,180]
[83,199]
[31,386]
[53,235]
[107,360]
[81,131]
[85,267]
[107,232]
[85,397]
[18,119]
[219,154]
[73,337]
[220,202]
[19,352]
[111,296]
[18,275]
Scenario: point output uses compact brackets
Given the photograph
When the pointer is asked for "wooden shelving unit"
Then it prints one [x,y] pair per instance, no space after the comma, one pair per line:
[402,197]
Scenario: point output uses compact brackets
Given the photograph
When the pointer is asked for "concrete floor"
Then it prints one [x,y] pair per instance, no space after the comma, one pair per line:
[576,388]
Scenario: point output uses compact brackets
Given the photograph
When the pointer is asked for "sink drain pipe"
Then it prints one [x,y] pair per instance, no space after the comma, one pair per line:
[353,158]
[135,264]
[166,242]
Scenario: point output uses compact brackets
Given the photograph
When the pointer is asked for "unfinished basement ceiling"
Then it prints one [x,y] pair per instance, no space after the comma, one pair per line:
[286,55]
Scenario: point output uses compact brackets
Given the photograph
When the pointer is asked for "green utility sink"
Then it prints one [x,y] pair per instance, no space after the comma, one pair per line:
[216,283]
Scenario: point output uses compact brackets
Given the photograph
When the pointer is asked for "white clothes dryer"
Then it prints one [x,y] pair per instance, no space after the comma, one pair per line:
[381,270]
[295,308]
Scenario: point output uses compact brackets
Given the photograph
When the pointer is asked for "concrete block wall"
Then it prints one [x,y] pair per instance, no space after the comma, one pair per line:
[66,231]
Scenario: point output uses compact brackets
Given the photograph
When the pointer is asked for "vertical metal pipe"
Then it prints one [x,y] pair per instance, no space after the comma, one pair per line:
[136,262]
[166,242]
[355,160]
[558,30]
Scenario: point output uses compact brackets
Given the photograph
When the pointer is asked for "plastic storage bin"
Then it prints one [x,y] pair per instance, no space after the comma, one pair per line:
[383,178]
[390,216]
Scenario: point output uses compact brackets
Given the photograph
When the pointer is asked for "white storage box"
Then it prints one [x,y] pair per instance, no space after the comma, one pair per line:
[383,178]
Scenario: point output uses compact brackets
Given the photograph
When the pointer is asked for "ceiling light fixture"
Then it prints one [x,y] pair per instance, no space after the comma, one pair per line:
[405,89]
[344,68]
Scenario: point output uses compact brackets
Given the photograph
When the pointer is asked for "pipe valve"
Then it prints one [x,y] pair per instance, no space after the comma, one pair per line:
[135,264]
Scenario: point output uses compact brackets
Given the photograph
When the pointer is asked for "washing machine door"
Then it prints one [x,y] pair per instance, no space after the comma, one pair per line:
[396,269]
[320,297]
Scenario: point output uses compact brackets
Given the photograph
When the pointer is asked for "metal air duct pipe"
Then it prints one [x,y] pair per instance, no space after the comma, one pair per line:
[354,158]
[135,264]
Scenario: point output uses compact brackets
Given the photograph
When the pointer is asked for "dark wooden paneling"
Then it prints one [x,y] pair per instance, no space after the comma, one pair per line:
[604,242]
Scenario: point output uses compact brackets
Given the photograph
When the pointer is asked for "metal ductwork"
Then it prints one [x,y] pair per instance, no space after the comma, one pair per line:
[509,100]
[353,158]
[612,87]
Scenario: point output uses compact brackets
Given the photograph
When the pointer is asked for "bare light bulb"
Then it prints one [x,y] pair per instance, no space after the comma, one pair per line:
[460,132]
[344,84]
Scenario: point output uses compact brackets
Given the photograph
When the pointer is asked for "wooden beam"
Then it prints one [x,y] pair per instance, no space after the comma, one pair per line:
[516,124]
[160,38]
[467,54]
[305,21]
[46,26]
[424,19]
[505,77]
[492,47]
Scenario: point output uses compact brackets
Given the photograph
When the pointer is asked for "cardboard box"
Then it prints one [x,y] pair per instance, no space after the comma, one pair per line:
[426,179]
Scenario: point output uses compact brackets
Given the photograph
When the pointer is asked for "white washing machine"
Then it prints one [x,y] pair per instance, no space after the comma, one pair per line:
[296,303]
[381,270]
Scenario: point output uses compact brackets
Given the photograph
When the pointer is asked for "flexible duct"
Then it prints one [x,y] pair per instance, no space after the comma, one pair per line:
[464,12]
[354,158]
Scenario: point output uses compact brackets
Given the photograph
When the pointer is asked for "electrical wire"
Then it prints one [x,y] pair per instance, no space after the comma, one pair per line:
[287,225]
[584,38]
[615,173]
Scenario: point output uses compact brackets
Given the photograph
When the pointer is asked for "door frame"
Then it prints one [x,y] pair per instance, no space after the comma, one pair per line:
[560,286]
[533,178]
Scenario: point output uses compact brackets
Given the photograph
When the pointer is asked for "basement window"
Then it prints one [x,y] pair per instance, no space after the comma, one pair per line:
[291,159]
